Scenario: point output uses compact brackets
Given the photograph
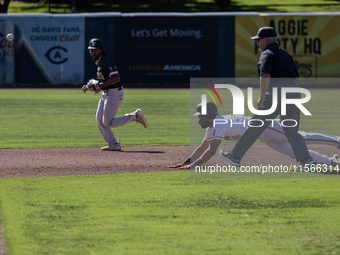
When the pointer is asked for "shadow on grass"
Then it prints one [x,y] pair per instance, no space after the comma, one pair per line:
[241,203]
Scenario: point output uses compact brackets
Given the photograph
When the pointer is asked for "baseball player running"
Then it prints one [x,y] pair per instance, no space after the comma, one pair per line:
[232,127]
[108,81]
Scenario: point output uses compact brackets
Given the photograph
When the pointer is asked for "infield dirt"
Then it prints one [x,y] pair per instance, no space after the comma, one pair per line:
[93,161]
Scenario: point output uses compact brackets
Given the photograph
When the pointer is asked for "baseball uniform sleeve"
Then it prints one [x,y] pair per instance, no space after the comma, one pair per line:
[112,70]
[216,132]
[109,68]
[219,132]
[208,134]
[265,63]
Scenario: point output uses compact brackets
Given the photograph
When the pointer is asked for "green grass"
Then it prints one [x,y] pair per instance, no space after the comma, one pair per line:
[181,6]
[156,213]
[169,213]
[66,118]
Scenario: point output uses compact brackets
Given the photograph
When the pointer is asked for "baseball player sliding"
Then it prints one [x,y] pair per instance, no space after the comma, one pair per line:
[232,127]
[108,81]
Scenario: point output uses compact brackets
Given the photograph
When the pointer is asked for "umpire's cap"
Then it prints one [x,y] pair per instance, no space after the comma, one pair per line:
[211,110]
[95,43]
[265,32]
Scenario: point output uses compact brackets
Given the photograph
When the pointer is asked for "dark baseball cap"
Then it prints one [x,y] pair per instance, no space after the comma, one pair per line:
[265,32]
[211,109]
[95,43]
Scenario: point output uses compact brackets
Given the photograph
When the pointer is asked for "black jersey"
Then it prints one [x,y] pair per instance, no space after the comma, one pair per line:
[105,69]
[277,62]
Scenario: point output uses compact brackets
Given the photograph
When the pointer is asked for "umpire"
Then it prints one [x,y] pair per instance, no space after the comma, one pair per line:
[276,68]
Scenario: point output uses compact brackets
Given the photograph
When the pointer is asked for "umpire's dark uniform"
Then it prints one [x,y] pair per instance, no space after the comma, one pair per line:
[283,73]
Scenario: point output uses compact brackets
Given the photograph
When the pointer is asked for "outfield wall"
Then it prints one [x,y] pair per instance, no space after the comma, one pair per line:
[161,49]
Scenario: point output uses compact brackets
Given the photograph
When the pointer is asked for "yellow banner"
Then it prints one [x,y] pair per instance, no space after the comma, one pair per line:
[313,42]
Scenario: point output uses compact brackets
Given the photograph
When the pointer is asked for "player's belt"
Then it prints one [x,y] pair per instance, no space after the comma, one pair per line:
[281,83]
[120,87]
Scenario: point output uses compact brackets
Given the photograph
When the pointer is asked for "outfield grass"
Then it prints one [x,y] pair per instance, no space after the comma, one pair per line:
[66,118]
[169,213]
[155,213]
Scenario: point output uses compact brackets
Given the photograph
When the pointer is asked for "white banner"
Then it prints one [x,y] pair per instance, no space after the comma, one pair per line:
[56,45]
[7,67]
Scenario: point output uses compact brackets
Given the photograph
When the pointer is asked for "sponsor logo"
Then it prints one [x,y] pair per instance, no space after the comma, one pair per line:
[182,67]
[56,55]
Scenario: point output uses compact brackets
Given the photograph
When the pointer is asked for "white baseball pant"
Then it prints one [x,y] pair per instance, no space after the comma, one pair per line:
[107,109]
[274,137]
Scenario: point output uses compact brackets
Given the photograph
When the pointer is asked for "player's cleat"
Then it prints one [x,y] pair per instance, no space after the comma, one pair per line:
[335,160]
[230,157]
[307,164]
[112,147]
[140,118]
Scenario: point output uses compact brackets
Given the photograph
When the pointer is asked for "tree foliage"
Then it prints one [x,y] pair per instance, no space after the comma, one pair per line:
[4,6]
[130,5]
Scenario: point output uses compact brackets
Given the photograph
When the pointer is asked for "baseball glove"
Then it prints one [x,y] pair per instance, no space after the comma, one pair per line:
[92,85]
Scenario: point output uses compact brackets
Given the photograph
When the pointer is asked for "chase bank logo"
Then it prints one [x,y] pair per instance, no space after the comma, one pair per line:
[56,55]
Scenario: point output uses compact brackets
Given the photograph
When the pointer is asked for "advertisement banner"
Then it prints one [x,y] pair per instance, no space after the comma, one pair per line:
[313,42]
[7,67]
[166,50]
[52,47]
